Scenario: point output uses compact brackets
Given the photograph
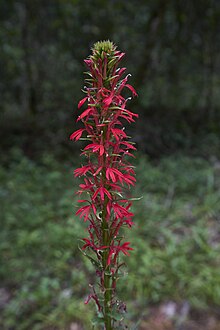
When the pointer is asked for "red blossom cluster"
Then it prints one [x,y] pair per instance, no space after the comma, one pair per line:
[107,171]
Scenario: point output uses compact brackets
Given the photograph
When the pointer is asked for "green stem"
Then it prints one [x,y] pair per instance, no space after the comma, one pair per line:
[107,280]
[106,268]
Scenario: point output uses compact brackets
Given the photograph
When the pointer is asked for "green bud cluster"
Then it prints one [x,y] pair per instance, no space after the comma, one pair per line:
[103,49]
[105,46]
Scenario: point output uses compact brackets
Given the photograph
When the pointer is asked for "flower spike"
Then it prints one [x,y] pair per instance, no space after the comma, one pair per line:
[106,172]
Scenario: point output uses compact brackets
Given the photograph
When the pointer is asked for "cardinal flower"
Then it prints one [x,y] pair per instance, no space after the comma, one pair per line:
[106,172]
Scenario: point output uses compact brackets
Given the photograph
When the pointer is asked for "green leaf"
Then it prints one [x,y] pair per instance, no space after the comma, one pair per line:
[93,261]
[98,321]
[116,316]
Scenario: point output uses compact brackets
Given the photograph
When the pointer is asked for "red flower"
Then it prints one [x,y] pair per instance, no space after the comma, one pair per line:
[95,148]
[81,102]
[84,212]
[114,251]
[120,211]
[77,134]
[90,243]
[82,170]
[85,114]
[132,89]
[102,191]
[124,248]
[107,170]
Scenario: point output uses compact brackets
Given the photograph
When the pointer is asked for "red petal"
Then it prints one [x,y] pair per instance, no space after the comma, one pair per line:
[81,102]
[101,150]
[84,114]
[77,134]
[107,101]
[131,89]
[101,190]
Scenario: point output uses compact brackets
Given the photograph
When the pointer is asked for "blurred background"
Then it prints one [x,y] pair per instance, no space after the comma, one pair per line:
[173,53]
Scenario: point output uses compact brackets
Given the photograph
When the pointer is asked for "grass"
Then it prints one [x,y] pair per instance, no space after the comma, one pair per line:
[175,237]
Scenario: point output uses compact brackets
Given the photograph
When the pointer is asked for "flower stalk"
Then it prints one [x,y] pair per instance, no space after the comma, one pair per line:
[107,173]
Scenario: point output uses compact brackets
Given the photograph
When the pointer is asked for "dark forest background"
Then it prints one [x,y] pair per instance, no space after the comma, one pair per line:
[173,53]
[172,50]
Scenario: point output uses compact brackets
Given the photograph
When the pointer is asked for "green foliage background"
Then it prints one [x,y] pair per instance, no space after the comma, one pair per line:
[173,52]
[175,239]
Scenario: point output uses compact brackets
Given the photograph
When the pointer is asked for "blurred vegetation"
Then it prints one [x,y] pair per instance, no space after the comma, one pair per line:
[173,52]
[176,241]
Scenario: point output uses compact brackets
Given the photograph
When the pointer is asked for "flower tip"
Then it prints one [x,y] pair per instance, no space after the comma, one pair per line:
[88,62]
[106,46]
